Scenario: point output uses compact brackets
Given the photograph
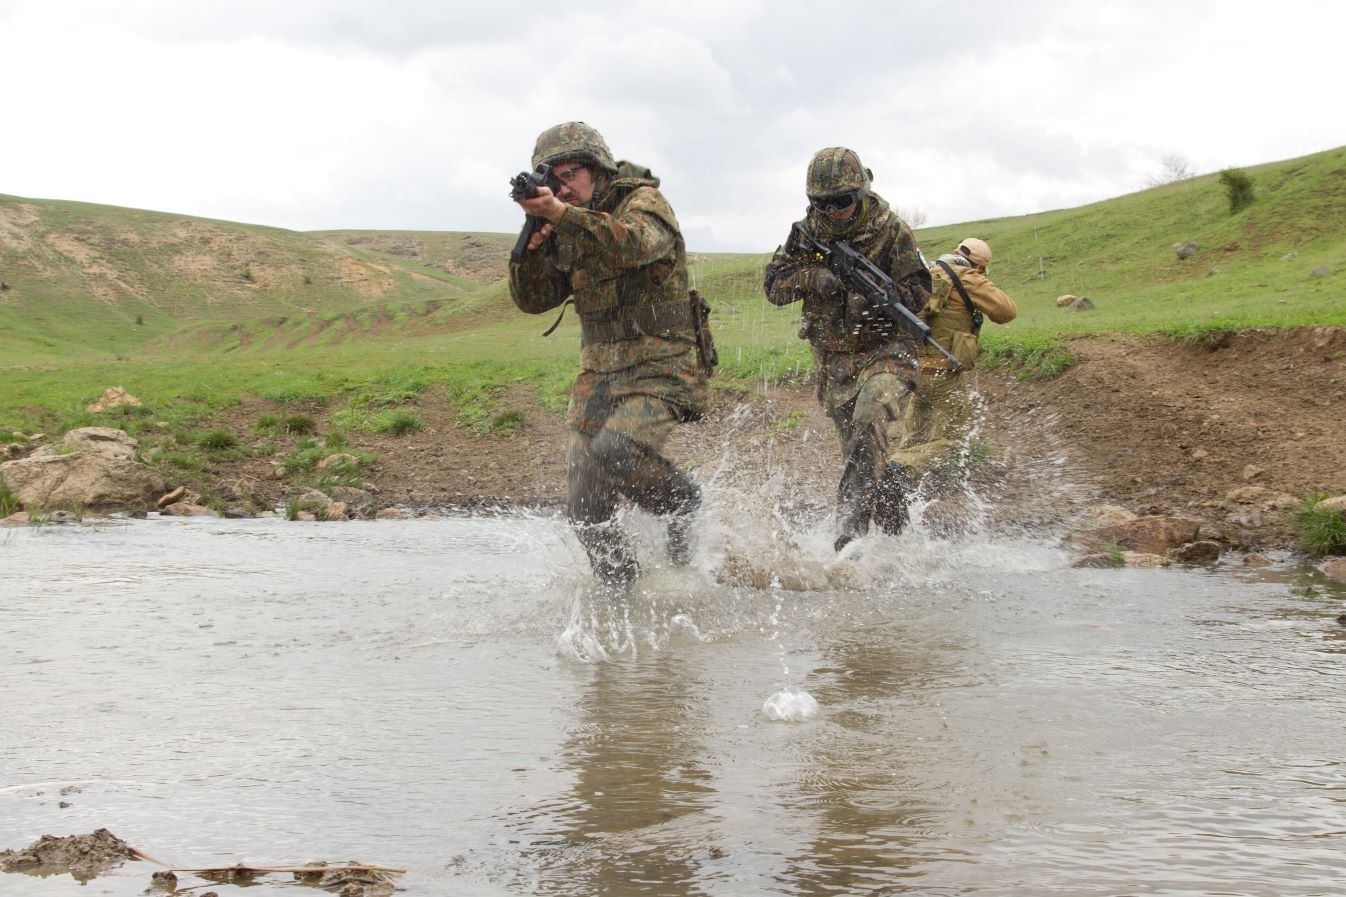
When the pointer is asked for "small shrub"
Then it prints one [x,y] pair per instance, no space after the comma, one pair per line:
[1319,530]
[300,424]
[1238,187]
[505,421]
[219,439]
[395,423]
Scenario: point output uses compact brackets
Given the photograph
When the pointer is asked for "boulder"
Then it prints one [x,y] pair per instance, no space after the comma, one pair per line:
[176,495]
[1334,568]
[1186,250]
[1144,559]
[1084,303]
[187,509]
[93,468]
[1107,515]
[1064,300]
[1336,503]
[1196,554]
[1152,534]
[111,398]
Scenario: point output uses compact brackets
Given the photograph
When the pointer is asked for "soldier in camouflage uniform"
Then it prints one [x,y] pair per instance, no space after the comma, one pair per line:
[961,296]
[866,368]
[609,243]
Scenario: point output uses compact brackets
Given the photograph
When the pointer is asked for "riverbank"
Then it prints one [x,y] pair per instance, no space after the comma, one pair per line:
[1232,432]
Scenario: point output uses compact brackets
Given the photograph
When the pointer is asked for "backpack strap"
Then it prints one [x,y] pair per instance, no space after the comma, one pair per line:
[967,301]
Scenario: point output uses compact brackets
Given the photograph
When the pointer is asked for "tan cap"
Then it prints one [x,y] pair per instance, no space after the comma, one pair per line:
[976,250]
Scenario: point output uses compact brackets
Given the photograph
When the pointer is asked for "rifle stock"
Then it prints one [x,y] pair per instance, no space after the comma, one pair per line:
[862,276]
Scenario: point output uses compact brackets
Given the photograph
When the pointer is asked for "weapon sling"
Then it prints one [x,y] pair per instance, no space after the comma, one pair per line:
[967,301]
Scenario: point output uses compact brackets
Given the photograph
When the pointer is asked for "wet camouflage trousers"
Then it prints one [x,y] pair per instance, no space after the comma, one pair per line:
[619,424]
[936,423]
[868,426]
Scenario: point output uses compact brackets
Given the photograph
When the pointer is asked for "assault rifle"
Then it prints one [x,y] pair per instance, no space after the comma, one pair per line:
[524,185]
[862,276]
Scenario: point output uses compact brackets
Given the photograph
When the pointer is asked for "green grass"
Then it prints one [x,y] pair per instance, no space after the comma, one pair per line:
[368,323]
[8,503]
[1319,530]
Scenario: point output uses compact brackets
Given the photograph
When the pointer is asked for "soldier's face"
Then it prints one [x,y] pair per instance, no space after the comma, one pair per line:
[576,183]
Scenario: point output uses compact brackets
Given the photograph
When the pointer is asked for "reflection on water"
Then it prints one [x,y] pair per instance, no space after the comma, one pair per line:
[456,698]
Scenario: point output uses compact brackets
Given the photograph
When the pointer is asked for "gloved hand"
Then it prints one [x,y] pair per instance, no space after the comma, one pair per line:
[858,308]
[822,281]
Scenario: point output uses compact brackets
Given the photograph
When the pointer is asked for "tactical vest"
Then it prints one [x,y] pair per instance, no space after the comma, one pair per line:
[619,304]
[829,324]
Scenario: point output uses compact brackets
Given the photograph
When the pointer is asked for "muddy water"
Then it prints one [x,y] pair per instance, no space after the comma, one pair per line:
[452,697]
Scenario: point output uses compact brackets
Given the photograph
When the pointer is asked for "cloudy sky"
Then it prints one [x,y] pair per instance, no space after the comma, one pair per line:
[413,114]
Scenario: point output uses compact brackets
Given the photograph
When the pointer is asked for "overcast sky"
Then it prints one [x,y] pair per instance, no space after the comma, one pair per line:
[413,114]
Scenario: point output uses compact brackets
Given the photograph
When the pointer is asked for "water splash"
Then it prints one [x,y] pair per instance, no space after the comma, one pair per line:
[791,705]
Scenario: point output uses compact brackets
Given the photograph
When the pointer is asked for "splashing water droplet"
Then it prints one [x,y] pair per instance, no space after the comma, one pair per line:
[790,706]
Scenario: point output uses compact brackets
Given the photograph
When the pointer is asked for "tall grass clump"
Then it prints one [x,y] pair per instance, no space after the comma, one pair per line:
[8,503]
[395,422]
[218,439]
[1319,530]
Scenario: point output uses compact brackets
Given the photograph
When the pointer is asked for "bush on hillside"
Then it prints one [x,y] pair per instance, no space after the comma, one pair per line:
[1238,187]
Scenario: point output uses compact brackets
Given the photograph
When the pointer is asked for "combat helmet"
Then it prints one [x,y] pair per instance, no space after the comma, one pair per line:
[836,171]
[573,140]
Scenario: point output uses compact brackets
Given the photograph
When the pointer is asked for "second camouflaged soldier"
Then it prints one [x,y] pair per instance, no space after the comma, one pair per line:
[866,368]
[609,242]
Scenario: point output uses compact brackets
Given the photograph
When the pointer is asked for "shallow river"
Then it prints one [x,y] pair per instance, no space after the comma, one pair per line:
[455,699]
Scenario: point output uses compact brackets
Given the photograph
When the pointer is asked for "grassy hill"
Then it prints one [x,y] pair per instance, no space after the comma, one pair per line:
[191,314]
[83,280]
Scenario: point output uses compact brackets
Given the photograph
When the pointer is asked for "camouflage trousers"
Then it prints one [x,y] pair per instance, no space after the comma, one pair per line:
[617,434]
[868,426]
[936,422]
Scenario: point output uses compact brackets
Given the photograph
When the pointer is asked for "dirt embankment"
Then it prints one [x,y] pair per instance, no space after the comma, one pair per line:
[1231,433]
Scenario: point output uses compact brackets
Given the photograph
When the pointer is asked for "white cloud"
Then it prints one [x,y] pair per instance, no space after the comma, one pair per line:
[320,114]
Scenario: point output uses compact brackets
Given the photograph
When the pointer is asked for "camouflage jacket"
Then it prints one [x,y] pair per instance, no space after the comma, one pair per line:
[841,323]
[622,261]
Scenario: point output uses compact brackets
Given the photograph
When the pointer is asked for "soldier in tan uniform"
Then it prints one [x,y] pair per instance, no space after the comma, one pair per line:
[961,297]
[609,243]
[866,367]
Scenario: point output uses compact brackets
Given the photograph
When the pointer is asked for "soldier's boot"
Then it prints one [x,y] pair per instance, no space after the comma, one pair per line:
[852,528]
[891,513]
[659,487]
[855,495]
[609,552]
[680,531]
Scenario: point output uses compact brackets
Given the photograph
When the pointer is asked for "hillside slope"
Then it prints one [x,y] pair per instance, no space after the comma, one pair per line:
[93,278]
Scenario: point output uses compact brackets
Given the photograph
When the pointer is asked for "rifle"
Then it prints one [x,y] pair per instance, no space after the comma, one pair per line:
[862,276]
[524,186]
